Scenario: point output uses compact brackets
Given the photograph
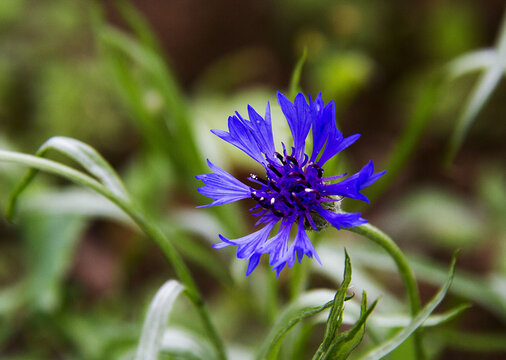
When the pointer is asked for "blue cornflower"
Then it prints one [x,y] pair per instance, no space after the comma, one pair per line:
[293,190]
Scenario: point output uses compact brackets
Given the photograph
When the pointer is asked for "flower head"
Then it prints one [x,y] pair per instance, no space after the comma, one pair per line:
[293,190]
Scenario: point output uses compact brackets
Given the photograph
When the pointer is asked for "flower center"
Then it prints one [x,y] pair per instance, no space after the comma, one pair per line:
[289,187]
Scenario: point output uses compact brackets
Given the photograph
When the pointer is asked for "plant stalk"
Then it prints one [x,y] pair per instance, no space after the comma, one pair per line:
[144,224]
[379,237]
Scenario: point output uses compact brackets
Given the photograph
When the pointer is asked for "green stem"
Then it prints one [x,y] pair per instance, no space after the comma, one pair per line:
[145,225]
[376,235]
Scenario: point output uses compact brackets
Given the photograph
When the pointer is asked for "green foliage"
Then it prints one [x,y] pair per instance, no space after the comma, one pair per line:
[70,69]
[156,319]
[295,80]
[334,345]
[480,95]
[339,346]
[386,347]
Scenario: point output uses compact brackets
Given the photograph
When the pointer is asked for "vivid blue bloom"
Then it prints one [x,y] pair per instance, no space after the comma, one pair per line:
[293,190]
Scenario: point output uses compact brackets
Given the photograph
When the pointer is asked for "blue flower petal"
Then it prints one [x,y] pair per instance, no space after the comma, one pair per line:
[299,121]
[278,244]
[323,124]
[301,246]
[253,263]
[250,244]
[294,186]
[222,187]
[262,130]
[351,186]
[335,144]
[241,135]
[341,220]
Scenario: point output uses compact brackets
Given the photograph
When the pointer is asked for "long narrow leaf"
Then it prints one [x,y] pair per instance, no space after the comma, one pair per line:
[475,61]
[156,320]
[479,96]
[156,70]
[477,290]
[481,93]
[345,343]
[387,347]
[183,343]
[295,80]
[138,24]
[336,313]
[305,306]
[81,153]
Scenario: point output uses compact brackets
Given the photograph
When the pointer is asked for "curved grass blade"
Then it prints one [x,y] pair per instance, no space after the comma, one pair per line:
[75,201]
[178,139]
[146,225]
[156,320]
[479,96]
[387,347]
[404,148]
[81,153]
[477,290]
[395,320]
[335,318]
[295,80]
[474,61]
[185,344]
[138,24]
[345,343]
[299,310]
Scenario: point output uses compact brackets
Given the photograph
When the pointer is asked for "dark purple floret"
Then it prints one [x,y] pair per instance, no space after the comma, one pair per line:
[293,189]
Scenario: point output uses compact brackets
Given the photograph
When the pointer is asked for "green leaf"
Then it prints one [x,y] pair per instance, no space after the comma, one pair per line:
[295,80]
[474,61]
[405,146]
[305,306]
[479,96]
[145,224]
[396,320]
[185,344]
[81,153]
[138,24]
[51,243]
[390,345]
[345,343]
[475,289]
[156,320]
[75,201]
[175,135]
[335,318]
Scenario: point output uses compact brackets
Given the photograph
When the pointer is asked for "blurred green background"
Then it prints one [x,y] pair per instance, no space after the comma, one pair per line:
[143,82]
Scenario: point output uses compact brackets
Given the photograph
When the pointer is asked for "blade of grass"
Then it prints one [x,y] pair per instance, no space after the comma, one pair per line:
[335,318]
[138,24]
[475,289]
[474,61]
[182,343]
[306,305]
[81,153]
[156,320]
[345,343]
[146,225]
[377,236]
[404,148]
[478,97]
[390,345]
[295,80]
